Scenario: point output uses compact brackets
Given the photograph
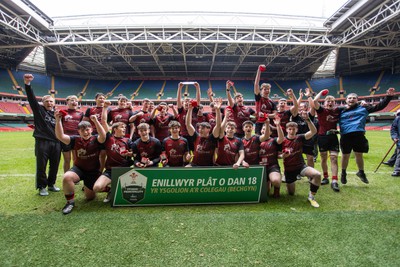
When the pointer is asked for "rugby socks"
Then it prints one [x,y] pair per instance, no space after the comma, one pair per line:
[276,192]
[107,189]
[70,198]
[344,171]
[326,175]
[334,179]
[313,190]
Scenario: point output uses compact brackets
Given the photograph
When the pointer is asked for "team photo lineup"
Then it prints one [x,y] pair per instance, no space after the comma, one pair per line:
[185,135]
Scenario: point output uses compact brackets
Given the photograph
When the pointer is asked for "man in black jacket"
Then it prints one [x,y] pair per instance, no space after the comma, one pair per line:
[47,146]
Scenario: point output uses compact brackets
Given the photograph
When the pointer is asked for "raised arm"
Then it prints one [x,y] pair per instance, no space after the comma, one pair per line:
[257,81]
[179,96]
[174,111]
[231,102]
[311,126]
[301,94]
[198,92]
[281,135]
[383,103]
[59,131]
[104,116]
[210,94]
[223,124]
[295,108]
[315,102]
[217,128]
[188,120]
[100,130]
[267,134]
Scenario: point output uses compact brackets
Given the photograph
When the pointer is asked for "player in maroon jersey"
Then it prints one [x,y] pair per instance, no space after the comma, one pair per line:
[99,98]
[305,112]
[328,118]
[284,113]
[293,161]
[86,164]
[240,113]
[230,150]
[175,148]
[183,105]
[252,142]
[70,122]
[269,156]
[142,116]
[204,142]
[119,154]
[122,113]
[146,149]
[161,120]
[264,105]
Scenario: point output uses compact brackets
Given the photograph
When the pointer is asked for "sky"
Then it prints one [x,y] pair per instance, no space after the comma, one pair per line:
[313,8]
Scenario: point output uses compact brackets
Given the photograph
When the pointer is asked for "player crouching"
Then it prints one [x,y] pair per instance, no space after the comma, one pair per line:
[293,160]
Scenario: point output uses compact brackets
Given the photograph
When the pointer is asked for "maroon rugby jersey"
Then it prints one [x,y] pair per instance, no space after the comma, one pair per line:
[160,123]
[265,105]
[150,149]
[145,118]
[295,161]
[121,115]
[251,149]
[204,148]
[182,117]
[228,149]
[94,111]
[269,152]
[115,146]
[87,153]
[240,115]
[285,118]
[327,119]
[210,118]
[71,120]
[175,149]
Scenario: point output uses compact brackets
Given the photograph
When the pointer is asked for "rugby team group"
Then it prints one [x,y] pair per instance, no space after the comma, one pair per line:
[184,135]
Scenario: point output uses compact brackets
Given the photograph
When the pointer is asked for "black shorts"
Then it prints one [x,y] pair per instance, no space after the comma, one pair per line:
[354,141]
[107,173]
[291,176]
[328,143]
[65,148]
[89,178]
[272,168]
[308,150]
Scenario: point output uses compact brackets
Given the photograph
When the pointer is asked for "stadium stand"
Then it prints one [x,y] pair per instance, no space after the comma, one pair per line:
[360,83]
[150,89]
[68,86]
[6,85]
[12,107]
[332,84]
[42,82]
[126,88]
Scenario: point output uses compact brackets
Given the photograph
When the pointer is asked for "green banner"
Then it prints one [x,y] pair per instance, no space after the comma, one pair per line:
[181,186]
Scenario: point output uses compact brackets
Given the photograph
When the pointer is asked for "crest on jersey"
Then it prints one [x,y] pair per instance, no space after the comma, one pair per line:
[81,152]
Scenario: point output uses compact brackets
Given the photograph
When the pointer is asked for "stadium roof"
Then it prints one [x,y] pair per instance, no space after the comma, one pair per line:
[362,36]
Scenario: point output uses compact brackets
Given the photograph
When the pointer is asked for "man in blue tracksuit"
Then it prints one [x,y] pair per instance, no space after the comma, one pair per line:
[352,122]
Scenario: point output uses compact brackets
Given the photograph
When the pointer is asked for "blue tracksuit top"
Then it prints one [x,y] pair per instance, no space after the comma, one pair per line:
[354,119]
